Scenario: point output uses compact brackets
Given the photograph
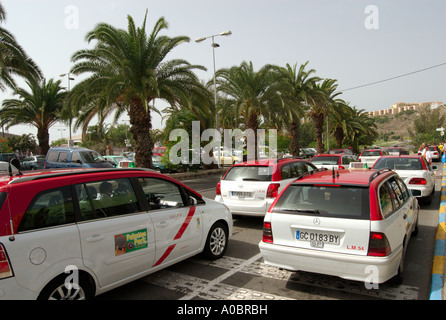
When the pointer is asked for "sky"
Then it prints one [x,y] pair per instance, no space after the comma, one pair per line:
[355,42]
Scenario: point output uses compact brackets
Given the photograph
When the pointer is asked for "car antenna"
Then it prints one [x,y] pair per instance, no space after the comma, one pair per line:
[333,173]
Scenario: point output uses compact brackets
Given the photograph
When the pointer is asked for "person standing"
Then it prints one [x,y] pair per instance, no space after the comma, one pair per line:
[425,153]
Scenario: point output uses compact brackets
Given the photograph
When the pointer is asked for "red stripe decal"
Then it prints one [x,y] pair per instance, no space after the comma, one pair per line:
[178,236]
[185,223]
[164,256]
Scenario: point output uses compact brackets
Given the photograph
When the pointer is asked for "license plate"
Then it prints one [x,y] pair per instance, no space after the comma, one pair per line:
[241,194]
[317,239]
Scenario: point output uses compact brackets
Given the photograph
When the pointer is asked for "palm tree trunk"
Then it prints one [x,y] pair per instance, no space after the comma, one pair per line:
[43,137]
[141,124]
[339,136]
[318,120]
[253,124]
[295,135]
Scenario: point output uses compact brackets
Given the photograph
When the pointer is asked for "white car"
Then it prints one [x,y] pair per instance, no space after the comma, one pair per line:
[414,170]
[250,188]
[76,233]
[370,156]
[355,224]
[433,151]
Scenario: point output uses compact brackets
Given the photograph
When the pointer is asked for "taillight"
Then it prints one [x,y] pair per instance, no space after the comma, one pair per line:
[378,245]
[5,266]
[218,190]
[418,181]
[341,167]
[273,190]
[267,232]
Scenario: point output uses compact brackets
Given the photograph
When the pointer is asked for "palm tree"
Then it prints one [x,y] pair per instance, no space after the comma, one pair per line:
[323,100]
[40,107]
[128,71]
[13,59]
[250,93]
[296,86]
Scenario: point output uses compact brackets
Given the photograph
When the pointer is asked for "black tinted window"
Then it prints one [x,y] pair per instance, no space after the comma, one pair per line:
[161,194]
[48,208]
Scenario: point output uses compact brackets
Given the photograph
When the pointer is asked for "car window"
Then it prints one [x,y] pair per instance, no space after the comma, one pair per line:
[326,160]
[106,198]
[298,169]
[52,156]
[404,191]
[249,173]
[340,202]
[397,193]
[91,157]
[286,171]
[376,153]
[48,208]
[161,194]
[75,158]
[386,199]
[63,156]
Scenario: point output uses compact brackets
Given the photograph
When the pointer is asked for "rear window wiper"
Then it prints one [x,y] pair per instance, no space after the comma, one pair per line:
[250,179]
[303,210]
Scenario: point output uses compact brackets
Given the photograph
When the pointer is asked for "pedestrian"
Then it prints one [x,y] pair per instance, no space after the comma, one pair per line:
[425,153]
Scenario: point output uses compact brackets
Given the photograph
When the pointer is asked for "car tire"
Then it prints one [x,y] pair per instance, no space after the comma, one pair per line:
[216,242]
[398,278]
[56,290]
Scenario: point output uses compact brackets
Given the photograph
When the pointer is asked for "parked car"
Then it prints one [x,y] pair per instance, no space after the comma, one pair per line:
[249,188]
[120,161]
[414,171]
[7,156]
[371,155]
[434,152]
[227,158]
[33,162]
[159,151]
[341,224]
[308,152]
[74,157]
[333,161]
[158,164]
[338,151]
[396,151]
[100,227]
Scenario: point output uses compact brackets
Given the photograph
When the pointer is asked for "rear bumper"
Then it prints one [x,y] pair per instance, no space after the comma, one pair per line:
[246,208]
[352,267]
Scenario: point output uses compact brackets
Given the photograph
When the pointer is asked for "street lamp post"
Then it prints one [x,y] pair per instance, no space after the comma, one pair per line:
[215,45]
[70,141]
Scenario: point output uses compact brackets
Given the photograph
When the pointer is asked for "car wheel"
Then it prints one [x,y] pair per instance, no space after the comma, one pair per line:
[217,241]
[57,290]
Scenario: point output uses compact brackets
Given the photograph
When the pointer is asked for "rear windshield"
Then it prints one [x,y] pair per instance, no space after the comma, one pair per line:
[371,154]
[250,173]
[349,202]
[399,164]
[326,160]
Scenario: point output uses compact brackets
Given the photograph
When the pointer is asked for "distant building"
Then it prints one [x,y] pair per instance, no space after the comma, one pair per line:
[402,106]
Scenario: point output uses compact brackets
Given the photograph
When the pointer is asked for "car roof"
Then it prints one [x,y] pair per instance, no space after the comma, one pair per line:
[331,155]
[343,177]
[267,162]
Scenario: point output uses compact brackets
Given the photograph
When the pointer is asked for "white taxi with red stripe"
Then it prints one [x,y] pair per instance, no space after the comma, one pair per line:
[73,234]
[352,224]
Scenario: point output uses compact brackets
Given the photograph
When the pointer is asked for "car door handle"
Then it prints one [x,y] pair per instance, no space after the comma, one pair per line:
[405,216]
[95,237]
[162,224]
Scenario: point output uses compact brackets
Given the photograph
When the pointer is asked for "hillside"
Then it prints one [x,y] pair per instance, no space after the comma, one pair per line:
[395,127]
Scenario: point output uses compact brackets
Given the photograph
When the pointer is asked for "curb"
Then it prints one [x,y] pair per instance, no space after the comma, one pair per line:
[438,267]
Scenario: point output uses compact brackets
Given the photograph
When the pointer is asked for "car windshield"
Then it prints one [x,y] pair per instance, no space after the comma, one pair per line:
[325,160]
[399,164]
[91,157]
[338,201]
[249,173]
[371,154]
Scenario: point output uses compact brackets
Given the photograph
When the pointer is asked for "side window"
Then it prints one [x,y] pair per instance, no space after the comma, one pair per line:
[397,194]
[52,156]
[49,208]
[286,171]
[404,191]
[63,156]
[161,194]
[75,158]
[385,200]
[298,169]
[106,198]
